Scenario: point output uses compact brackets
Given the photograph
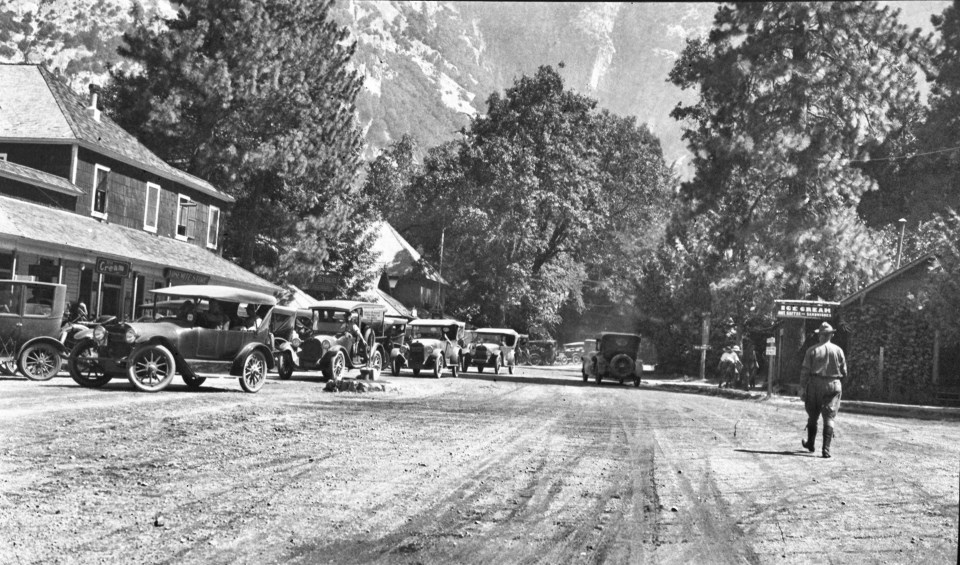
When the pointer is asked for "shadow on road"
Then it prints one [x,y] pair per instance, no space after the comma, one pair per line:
[791,453]
[540,380]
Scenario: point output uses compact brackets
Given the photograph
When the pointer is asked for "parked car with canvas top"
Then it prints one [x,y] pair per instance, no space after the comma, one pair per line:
[228,335]
[433,344]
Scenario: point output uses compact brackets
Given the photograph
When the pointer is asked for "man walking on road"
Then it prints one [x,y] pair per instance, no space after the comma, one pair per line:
[823,367]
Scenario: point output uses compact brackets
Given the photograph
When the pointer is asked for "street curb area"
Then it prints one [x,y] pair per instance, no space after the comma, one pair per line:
[851,406]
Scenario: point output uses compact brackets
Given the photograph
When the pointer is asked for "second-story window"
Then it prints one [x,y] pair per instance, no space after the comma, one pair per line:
[152,211]
[213,227]
[186,219]
[101,180]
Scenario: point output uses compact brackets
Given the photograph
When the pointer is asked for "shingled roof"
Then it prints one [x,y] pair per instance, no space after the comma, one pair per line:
[395,256]
[63,231]
[48,181]
[37,107]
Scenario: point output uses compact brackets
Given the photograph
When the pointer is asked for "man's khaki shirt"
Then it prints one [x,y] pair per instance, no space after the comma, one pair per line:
[825,360]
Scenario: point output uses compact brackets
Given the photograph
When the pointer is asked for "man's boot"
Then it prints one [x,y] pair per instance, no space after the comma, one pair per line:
[811,443]
[827,436]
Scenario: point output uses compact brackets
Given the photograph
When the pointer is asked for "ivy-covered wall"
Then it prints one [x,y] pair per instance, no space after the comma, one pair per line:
[907,341]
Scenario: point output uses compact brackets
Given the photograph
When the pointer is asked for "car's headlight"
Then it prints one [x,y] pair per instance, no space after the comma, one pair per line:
[131,335]
[99,333]
[473,347]
[325,344]
[295,341]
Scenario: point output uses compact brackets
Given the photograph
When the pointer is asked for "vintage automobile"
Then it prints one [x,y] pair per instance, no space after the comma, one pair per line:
[541,347]
[434,344]
[215,341]
[153,311]
[31,317]
[289,326]
[395,332]
[491,347]
[617,356]
[589,349]
[331,348]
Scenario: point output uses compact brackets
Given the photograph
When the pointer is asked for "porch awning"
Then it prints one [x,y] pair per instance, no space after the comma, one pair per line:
[63,234]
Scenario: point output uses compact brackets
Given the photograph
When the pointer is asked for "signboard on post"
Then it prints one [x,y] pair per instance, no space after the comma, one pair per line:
[177,277]
[324,283]
[806,309]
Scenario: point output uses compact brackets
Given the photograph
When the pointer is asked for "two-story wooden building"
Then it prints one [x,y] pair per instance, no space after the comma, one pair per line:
[84,203]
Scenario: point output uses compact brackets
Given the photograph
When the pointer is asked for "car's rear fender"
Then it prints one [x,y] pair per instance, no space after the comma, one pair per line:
[44,339]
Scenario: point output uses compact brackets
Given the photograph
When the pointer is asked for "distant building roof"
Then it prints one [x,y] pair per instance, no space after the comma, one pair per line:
[34,177]
[395,256]
[37,107]
[889,277]
[60,230]
[300,299]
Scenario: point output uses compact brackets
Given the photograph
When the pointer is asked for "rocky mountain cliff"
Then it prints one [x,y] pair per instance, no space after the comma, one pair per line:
[430,66]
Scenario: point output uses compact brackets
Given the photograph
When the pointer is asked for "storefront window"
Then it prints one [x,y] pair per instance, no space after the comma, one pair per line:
[6,265]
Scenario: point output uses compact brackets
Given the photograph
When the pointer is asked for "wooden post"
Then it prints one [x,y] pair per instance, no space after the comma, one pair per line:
[936,359]
[704,342]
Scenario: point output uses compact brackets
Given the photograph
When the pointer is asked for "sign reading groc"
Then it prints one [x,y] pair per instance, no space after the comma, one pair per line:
[176,276]
[112,267]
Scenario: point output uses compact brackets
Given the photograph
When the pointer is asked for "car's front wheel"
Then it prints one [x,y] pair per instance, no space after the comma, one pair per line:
[438,367]
[284,365]
[376,361]
[496,365]
[40,362]
[254,372]
[84,365]
[337,367]
[151,368]
[395,367]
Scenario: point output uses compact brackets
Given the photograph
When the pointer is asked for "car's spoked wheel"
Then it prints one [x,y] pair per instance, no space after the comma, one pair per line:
[464,363]
[536,359]
[84,365]
[496,366]
[438,367]
[40,362]
[455,368]
[396,366]
[338,366]
[510,369]
[254,372]
[8,367]
[151,368]
[376,361]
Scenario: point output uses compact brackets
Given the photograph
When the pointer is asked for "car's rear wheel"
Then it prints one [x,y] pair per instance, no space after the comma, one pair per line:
[254,372]
[337,367]
[40,362]
[151,368]
[84,365]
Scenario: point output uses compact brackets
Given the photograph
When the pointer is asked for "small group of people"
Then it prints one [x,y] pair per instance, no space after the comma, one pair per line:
[215,317]
[737,371]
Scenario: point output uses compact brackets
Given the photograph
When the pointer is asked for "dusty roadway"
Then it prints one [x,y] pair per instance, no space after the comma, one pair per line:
[534,468]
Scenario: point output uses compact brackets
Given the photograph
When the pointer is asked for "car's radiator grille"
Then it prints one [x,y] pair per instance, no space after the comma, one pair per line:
[416,353]
[481,353]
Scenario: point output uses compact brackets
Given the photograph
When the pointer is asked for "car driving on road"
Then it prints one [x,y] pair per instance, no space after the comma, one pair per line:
[617,356]
[432,344]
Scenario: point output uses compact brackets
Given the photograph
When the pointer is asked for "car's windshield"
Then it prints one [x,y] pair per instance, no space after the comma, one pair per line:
[331,320]
[425,332]
[488,337]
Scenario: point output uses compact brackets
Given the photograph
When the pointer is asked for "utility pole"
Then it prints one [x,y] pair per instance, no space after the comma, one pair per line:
[903,226]
[440,274]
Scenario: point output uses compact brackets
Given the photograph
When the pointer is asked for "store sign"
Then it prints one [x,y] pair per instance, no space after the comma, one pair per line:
[806,309]
[176,276]
[113,267]
[326,282]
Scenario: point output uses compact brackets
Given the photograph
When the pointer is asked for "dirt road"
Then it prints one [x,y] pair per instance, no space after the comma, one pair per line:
[533,468]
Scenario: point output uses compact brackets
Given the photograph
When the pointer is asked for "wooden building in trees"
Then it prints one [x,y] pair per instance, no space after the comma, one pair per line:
[893,353]
[84,203]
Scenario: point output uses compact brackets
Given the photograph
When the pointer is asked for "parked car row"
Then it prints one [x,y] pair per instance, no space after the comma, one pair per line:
[211,330]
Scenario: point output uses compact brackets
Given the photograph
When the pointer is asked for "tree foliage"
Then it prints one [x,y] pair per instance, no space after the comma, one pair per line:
[258,99]
[530,199]
[792,97]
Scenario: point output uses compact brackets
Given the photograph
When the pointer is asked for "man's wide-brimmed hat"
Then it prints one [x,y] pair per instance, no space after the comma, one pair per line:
[825,328]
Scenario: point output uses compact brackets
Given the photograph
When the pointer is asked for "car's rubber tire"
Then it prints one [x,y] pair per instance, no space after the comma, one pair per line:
[536,359]
[455,369]
[376,360]
[8,368]
[253,373]
[40,361]
[151,368]
[510,369]
[496,365]
[583,372]
[84,372]
[416,371]
[337,367]
[464,363]
[395,366]
[636,382]
[596,373]
[284,365]
[438,367]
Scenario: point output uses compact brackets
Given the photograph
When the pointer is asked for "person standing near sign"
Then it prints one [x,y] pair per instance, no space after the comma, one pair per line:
[824,366]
